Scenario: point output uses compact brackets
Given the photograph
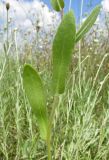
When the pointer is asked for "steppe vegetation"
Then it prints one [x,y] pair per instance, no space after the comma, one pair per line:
[80,124]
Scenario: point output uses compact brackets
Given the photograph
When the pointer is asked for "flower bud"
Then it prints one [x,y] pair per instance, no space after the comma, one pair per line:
[7,6]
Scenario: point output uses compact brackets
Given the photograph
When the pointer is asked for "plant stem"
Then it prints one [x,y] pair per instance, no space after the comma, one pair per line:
[49,143]
[7,47]
[53,109]
[70,3]
[79,61]
[7,29]
[62,13]
[50,127]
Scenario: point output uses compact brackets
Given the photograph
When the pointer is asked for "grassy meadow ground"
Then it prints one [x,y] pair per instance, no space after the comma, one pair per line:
[81,125]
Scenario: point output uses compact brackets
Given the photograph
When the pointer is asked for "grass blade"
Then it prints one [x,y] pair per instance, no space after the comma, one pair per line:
[35,93]
[57,5]
[63,46]
[88,23]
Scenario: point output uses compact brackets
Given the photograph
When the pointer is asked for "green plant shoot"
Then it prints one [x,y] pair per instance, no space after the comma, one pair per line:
[63,47]
[36,95]
[57,5]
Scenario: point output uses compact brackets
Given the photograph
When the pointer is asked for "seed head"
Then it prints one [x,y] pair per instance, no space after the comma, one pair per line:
[7,6]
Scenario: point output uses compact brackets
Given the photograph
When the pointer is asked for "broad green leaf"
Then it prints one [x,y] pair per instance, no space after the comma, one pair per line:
[88,23]
[57,5]
[63,46]
[35,93]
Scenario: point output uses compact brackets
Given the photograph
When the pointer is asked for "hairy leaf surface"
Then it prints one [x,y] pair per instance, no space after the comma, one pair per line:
[88,23]
[35,93]
[63,47]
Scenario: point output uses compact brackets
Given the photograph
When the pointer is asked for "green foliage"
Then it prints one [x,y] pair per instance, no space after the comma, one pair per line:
[88,23]
[35,92]
[57,5]
[63,47]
